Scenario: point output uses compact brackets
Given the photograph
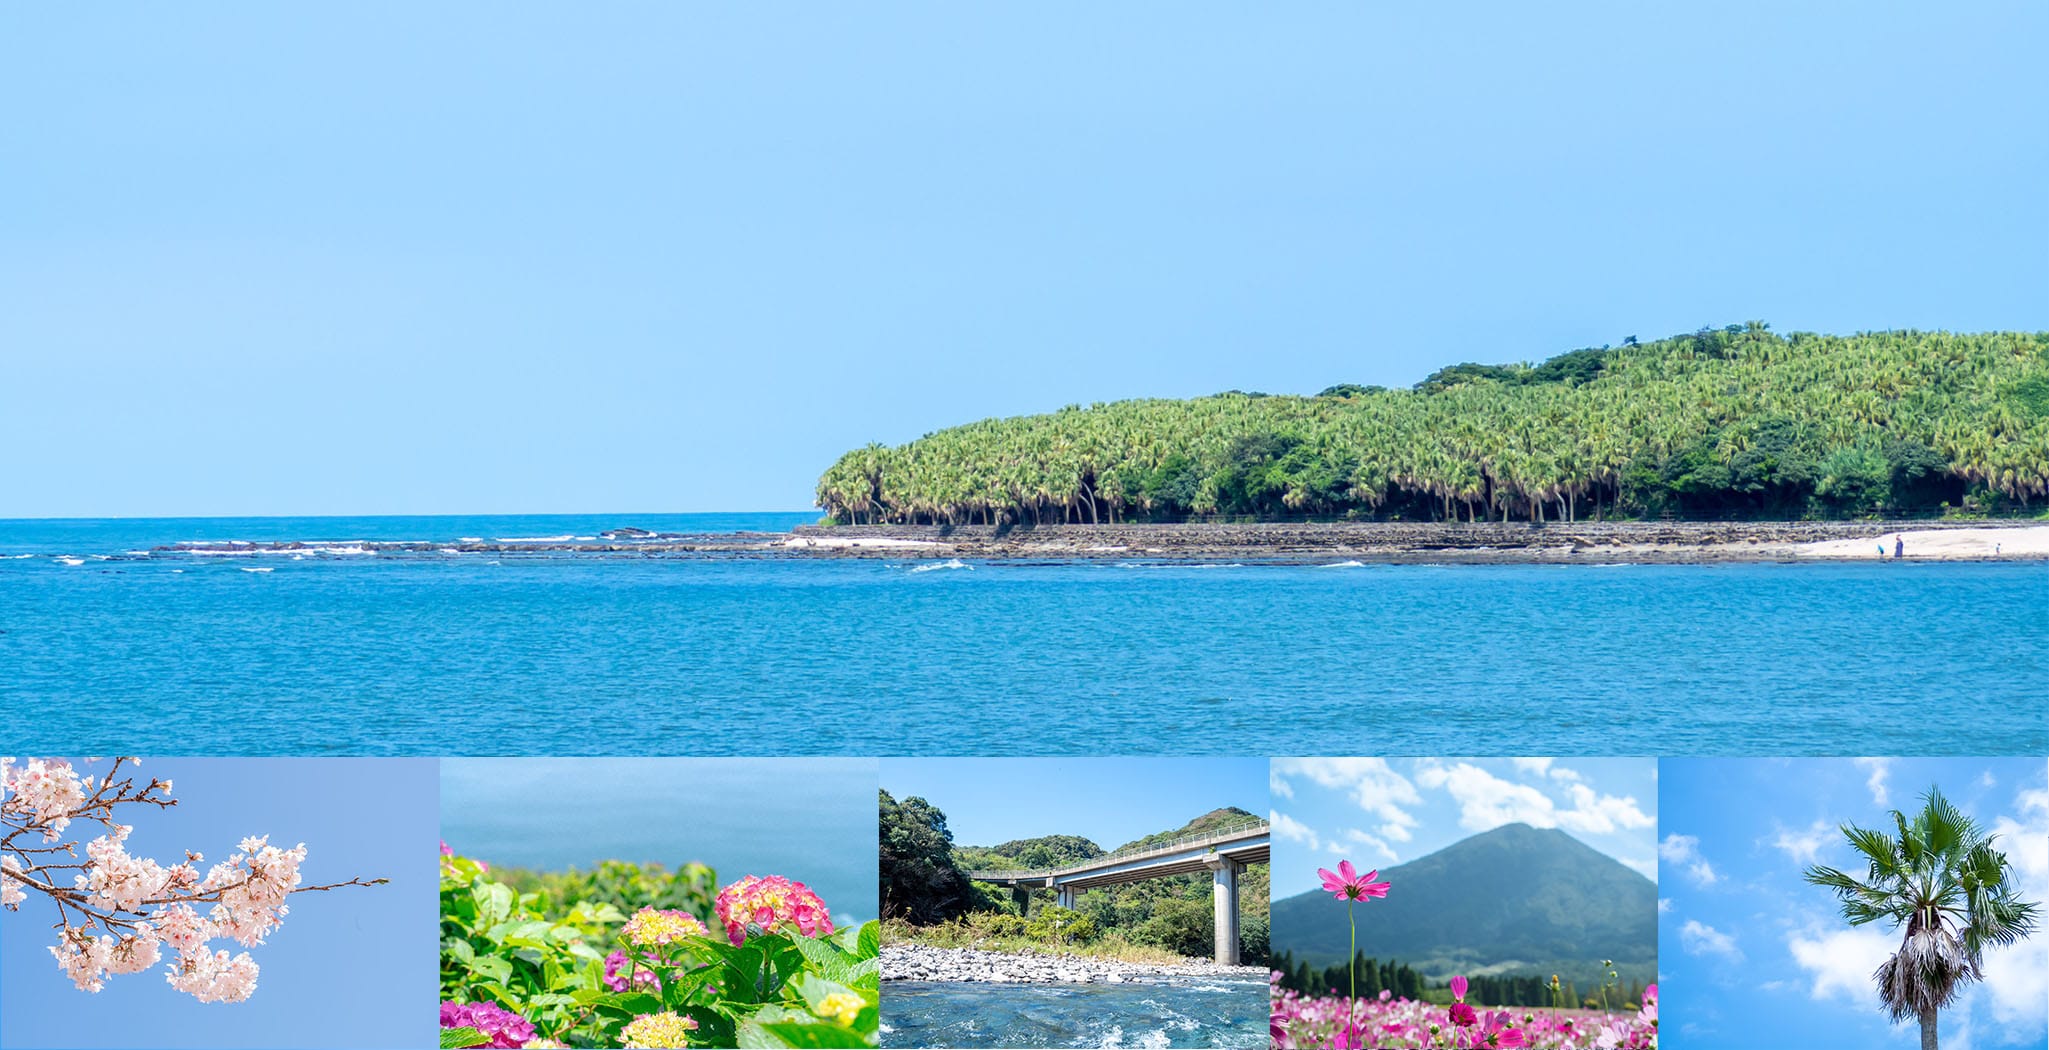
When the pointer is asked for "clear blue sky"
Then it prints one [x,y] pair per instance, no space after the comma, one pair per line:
[1109,801]
[386,258]
[1753,957]
[809,819]
[1378,813]
[351,968]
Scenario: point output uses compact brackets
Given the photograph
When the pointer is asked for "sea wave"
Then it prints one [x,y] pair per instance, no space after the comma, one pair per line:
[67,559]
[951,563]
[258,568]
[564,538]
[1353,564]
[1157,1039]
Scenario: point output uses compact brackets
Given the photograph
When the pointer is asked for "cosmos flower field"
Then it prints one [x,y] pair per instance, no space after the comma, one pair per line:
[1391,1021]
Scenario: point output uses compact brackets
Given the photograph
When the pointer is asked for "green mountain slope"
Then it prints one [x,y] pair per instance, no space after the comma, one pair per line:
[1511,901]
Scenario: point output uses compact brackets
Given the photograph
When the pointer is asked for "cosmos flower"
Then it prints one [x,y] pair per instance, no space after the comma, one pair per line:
[1346,884]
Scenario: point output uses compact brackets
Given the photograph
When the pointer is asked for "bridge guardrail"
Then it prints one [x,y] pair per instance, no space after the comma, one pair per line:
[1170,846]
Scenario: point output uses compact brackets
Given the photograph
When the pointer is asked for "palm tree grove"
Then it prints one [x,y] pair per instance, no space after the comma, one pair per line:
[1734,423]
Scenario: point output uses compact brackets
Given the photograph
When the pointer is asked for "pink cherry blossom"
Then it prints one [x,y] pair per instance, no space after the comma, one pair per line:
[121,911]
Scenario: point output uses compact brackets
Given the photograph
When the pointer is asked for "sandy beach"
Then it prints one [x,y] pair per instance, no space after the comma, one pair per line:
[1964,544]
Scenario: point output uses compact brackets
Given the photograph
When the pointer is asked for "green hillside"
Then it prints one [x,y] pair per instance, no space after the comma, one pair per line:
[926,887]
[1516,900]
[1735,422]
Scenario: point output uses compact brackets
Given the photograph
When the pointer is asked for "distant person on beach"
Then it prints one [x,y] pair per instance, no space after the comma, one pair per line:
[1899,547]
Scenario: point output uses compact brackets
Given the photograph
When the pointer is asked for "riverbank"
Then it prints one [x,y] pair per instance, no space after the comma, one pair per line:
[1649,543]
[917,962]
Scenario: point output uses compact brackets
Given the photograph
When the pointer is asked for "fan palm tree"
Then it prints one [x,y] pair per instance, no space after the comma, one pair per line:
[1949,892]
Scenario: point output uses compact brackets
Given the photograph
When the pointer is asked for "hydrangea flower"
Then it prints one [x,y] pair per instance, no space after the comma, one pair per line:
[662,1030]
[769,903]
[650,927]
[843,1007]
[616,966]
[505,1028]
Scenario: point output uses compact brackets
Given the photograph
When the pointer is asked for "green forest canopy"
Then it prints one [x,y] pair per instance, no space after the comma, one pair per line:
[1736,422]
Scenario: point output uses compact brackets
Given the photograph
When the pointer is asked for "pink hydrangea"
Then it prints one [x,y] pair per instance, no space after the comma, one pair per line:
[769,903]
[619,964]
[504,1028]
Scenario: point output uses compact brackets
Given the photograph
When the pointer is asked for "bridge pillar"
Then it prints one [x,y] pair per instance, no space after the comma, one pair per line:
[1068,897]
[1022,896]
[1224,886]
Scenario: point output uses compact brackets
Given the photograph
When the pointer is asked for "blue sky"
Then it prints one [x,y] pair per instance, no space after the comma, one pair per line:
[1752,956]
[1109,801]
[386,258]
[1380,812]
[335,954]
[809,819]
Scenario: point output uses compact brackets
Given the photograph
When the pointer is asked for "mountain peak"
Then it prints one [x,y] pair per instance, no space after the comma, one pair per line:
[1511,899]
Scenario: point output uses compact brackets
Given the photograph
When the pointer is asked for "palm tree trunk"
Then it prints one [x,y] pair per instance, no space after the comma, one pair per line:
[1928,1030]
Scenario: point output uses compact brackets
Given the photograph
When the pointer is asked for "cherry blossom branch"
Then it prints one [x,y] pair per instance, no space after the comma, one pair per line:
[142,906]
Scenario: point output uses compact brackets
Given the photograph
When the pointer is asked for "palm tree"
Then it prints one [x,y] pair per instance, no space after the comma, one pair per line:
[1950,893]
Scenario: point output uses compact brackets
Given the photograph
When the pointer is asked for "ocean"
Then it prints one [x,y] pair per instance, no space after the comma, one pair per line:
[109,645]
[1190,1012]
[553,814]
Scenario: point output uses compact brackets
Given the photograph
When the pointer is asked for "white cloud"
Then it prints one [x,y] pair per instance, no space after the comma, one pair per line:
[1487,801]
[1664,905]
[1804,847]
[1987,781]
[1546,767]
[1878,769]
[1294,830]
[1698,938]
[2017,976]
[1600,814]
[1278,784]
[1372,783]
[1394,832]
[1840,962]
[1359,838]
[1645,866]
[1683,851]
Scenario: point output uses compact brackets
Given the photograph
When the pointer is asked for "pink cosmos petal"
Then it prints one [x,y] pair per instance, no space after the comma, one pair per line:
[1458,989]
[1349,873]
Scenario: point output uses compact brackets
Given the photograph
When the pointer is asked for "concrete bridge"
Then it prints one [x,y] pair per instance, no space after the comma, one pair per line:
[1223,852]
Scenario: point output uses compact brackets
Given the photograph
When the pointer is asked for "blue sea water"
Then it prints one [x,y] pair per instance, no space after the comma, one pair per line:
[1192,1012]
[810,819]
[569,655]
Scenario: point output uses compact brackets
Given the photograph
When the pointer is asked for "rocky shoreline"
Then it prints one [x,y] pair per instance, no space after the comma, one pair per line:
[917,962]
[1674,543]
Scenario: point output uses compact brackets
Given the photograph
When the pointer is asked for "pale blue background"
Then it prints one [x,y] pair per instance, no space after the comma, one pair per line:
[1110,801]
[466,257]
[1731,976]
[352,968]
